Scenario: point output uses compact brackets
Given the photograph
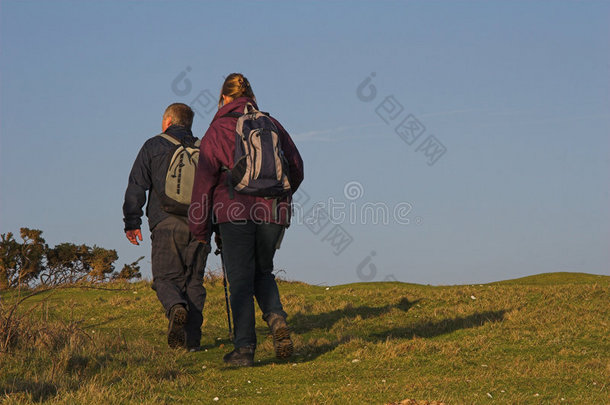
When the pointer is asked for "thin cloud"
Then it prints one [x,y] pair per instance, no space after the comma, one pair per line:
[452,112]
[327,135]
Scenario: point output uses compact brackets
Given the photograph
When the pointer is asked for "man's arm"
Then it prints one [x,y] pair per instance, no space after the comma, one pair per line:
[135,195]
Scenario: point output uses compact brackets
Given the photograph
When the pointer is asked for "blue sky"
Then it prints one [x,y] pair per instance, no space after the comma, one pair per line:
[517,94]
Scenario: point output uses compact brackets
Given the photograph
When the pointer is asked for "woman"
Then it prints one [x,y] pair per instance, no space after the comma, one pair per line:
[250,226]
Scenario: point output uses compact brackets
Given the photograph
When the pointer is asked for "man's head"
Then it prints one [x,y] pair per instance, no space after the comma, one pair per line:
[177,114]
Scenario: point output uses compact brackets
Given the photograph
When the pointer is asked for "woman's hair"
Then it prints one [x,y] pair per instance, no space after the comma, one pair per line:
[236,85]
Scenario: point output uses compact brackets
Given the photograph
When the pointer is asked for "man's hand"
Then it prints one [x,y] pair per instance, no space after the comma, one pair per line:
[133,236]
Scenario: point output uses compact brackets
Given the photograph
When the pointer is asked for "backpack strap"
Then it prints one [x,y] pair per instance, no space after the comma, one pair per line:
[176,142]
[171,139]
[274,208]
[248,108]
[279,240]
[233,114]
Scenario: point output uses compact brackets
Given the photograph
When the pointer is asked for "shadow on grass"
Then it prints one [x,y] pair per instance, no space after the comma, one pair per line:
[430,329]
[302,323]
[39,391]
[442,327]
[77,371]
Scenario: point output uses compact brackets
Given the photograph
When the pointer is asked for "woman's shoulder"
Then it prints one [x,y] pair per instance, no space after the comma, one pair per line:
[279,126]
[220,132]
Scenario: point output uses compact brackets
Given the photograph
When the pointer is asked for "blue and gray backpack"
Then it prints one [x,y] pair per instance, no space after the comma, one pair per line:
[259,166]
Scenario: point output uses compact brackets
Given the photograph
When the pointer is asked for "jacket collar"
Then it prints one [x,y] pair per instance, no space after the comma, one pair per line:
[236,105]
[179,132]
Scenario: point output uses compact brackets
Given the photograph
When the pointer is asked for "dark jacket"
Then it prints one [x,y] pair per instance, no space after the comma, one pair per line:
[211,193]
[148,174]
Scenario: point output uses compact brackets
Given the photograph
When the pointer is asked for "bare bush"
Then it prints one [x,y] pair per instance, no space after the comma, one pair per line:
[129,271]
[32,263]
[21,263]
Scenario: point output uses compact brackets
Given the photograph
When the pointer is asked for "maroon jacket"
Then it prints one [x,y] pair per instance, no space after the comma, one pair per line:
[211,192]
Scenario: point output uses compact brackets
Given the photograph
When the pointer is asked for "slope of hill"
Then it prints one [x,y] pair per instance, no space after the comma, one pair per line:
[559,278]
[535,340]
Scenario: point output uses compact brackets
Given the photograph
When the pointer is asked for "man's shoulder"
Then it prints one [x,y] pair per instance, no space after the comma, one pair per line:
[156,144]
[154,140]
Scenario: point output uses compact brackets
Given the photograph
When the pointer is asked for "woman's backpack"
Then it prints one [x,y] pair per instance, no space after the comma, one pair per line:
[260,168]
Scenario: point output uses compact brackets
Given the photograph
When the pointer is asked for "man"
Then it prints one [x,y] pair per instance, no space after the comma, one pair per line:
[178,260]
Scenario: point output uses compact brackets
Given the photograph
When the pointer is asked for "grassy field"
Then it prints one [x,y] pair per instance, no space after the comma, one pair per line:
[538,340]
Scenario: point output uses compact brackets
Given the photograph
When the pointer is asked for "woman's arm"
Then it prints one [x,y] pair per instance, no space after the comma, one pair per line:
[295,162]
[206,178]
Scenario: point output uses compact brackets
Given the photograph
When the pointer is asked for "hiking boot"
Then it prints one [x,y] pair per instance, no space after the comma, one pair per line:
[240,357]
[176,336]
[281,336]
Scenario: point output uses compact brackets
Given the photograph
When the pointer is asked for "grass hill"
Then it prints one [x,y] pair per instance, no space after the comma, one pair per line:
[536,340]
[557,278]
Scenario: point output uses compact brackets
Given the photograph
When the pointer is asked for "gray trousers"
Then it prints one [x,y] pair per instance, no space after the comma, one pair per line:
[178,266]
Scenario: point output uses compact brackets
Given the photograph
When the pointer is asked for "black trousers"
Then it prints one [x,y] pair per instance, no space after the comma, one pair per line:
[247,251]
[178,266]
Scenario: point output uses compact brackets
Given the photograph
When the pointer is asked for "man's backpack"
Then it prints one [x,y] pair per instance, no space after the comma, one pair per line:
[259,166]
[182,162]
